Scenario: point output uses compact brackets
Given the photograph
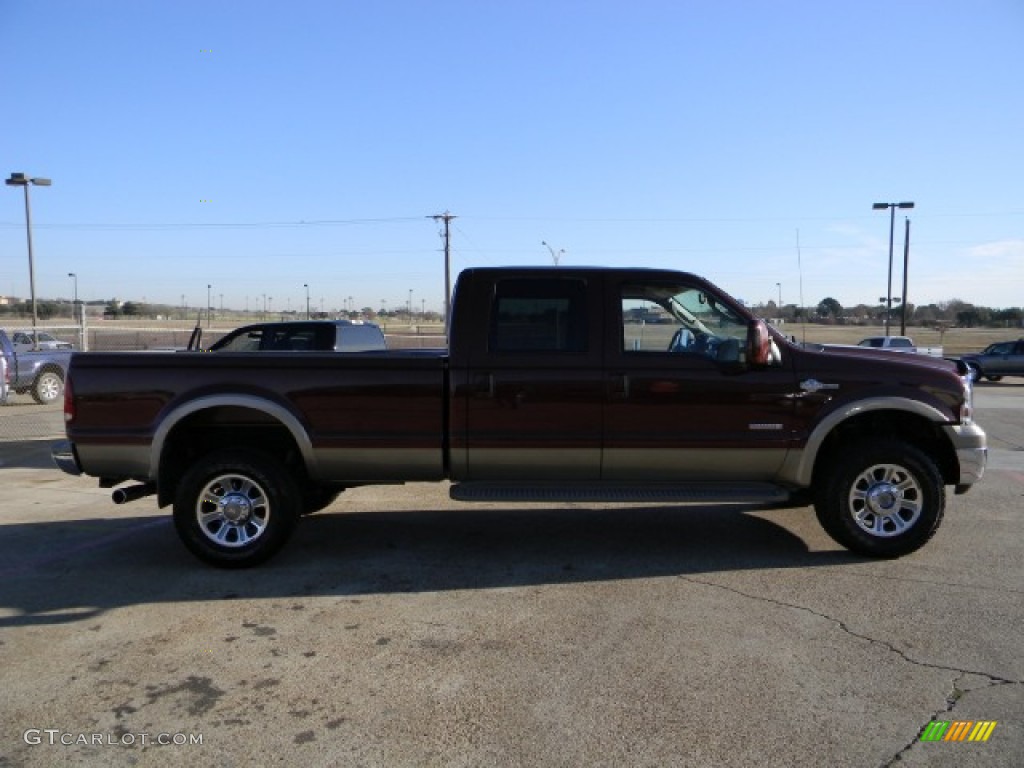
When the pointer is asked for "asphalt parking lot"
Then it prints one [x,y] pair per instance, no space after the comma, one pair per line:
[398,628]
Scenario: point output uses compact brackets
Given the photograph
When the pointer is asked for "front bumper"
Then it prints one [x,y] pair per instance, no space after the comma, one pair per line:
[971,448]
[63,455]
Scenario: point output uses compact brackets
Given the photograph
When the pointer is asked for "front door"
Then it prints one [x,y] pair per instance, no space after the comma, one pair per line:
[683,404]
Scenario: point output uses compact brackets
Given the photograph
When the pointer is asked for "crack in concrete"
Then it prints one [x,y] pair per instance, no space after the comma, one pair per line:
[952,699]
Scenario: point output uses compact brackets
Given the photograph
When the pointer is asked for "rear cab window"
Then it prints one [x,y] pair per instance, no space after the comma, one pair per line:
[539,316]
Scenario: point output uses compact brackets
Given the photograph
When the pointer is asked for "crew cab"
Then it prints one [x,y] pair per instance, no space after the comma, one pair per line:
[556,387]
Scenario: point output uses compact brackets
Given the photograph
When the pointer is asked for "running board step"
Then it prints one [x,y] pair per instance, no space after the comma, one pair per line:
[736,493]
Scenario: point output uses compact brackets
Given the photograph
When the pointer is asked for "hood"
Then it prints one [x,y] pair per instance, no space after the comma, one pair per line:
[886,359]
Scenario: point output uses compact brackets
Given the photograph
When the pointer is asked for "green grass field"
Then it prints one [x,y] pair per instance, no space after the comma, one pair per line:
[954,341]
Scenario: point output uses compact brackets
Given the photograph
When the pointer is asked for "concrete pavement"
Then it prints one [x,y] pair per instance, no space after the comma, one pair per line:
[398,628]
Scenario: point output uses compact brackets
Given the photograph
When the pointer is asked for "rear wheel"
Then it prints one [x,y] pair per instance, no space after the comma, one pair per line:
[235,509]
[47,388]
[881,498]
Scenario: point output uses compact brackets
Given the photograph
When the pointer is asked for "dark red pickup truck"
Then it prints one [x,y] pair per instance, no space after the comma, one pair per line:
[559,385]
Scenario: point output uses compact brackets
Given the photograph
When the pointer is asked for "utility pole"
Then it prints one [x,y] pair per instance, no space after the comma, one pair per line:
[906,265]
[446,217]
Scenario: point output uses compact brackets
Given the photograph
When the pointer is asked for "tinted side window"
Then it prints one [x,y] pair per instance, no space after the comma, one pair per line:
[539,315]
[240,341]
[289,339]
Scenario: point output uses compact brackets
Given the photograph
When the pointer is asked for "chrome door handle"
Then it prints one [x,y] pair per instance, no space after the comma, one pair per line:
[813,385]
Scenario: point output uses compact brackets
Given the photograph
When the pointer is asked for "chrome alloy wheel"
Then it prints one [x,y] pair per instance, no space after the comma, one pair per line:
[47,388]
[232,511]
[885,500]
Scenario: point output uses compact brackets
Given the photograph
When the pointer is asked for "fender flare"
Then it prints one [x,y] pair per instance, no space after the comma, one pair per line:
[276,411]
[798,468]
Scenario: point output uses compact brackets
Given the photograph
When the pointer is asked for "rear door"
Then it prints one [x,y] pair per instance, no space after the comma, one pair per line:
[527,405]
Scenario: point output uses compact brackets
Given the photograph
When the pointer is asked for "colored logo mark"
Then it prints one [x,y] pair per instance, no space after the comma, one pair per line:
[958,730]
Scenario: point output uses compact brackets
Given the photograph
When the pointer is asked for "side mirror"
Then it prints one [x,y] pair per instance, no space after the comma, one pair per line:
[759,344]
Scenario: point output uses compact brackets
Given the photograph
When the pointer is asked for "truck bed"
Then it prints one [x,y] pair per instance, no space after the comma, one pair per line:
[366,417]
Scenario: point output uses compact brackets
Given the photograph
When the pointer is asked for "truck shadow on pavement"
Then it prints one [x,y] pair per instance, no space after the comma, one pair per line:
[58,572]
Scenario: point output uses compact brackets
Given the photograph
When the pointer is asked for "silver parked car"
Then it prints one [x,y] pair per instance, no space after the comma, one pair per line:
[22,341]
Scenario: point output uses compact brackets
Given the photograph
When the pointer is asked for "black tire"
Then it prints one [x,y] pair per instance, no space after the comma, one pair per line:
[48,387]
[993,378]
[881,498]
[236,509]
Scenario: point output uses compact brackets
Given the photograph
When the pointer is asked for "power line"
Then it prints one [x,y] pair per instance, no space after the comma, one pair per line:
[226,225]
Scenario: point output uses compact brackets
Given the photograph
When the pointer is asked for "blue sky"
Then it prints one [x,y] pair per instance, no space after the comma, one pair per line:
[260,146]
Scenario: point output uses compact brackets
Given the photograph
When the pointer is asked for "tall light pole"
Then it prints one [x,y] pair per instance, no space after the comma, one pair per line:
[306,286]
[554,256]
[779,286]
[892,225]
[208,310]
[20,180]
[410,305]
[74,300]
[906,271]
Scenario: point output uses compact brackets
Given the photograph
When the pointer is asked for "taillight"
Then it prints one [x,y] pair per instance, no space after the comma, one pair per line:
[69,401]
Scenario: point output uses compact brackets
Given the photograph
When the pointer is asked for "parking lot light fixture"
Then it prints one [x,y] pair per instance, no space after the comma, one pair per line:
[74,297]
[892,225]
[21,180]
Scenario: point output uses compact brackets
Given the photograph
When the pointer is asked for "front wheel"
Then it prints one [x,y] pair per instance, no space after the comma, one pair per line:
[881,498]
[235,509]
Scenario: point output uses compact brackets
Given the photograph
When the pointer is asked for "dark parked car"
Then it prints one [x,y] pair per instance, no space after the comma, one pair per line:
[1004,358]
[304,336]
